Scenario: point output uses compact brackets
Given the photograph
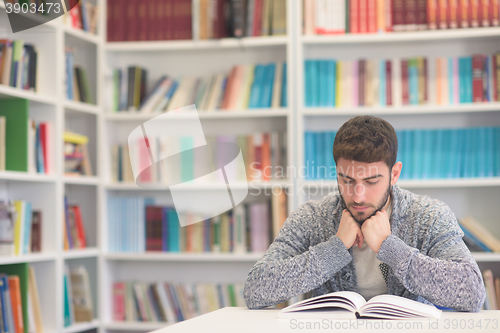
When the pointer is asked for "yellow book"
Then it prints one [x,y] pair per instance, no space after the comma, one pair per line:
[75,138]
[247,86]
[338,91]
[19,226]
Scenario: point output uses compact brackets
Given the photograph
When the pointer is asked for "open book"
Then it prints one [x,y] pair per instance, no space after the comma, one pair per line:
[351,305]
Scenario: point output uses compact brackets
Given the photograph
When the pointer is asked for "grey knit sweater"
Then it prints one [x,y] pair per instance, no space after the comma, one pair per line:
[427,259]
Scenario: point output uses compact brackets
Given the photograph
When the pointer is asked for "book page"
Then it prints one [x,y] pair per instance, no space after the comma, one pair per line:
[342,299]
[403,306]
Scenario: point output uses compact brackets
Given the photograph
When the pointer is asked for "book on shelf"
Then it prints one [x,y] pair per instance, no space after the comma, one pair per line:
[26,144]
[18,64]
[19,301]
[380,16]
[69,313]
[265,157]
[83,15]
[351,305]
[475,232]
[402,81]
[425,153]
[80,294]
[491,285]
[20,228]
[148,226]
[78,87]
[76,156]
[249,86]
[171,301]
[74,227]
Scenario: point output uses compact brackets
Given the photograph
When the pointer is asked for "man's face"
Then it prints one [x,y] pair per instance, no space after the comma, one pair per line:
[365,187]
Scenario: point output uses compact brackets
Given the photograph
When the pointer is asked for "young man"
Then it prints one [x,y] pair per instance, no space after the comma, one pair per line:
[370,236]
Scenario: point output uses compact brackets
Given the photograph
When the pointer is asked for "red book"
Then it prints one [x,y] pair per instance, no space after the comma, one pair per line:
[176,19]
[477,77]
[410,15]
[169,23]
[363,16]
[266,158]
[432,9]
[111,24]
[463,13]
[154,228]
[120,20]
[354,16]
[132,20]
[422,14]
[119,301]
[442,15]
[80,228]
[453,13]
[474,13]
[483,15]
[257,18]
[388,80]
[219,24]
[188,20]
[372,16]
[229,85]
[36,232]
[151,19]
[361,82]
[44,141]
[494,12]
[398,15]
[404,82]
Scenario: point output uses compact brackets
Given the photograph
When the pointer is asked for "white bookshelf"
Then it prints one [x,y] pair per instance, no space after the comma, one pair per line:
[475,196]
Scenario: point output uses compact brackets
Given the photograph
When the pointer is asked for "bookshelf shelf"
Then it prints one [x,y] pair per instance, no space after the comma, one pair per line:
[135,326]
[196,44]
[81,327]
[29,258]
[81,253]
[81,107]
[82,34]
[26,177]
[405,36]
[222,114]
[6,91]
[427,183]
[192,257]
[81,180]
[486,256]
[402,110]
[195,187]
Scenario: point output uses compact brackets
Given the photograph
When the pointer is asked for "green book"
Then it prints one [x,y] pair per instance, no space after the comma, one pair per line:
[89,97]
[20,270]
[16,112]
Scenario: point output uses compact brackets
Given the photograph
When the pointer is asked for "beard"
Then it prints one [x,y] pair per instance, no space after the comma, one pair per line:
[380,205]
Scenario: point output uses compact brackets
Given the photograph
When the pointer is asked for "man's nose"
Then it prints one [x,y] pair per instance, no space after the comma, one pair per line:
[359,193]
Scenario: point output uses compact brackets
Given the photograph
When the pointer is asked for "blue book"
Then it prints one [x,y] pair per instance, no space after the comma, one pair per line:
[334,88]
[187,158]
[496,148]
[451,82]
[315,83]
[382,86]
[461,80]
[437,154]
[330,83]
[320,154]
[3,301]
[284,87]
[173,230]
[28,218]
[408,154]
[322,82]
[399,134]
[468,79]
[308,94]
[471,236]
[328,155]
[85,15]
[428,148]
[164,229]
[459,147]
[418,146]
[333,171]
[38,150]
[69,75]
[206,236]
[267,86]
[413,81]
[468,154]
[256,86]
[488,152]
[309,153]
[480,166]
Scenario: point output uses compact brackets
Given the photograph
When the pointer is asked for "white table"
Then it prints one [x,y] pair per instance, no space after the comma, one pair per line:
[242,320]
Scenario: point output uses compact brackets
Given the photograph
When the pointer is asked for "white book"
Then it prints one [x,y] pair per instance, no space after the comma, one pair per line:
[165,302]
[196,19]
[215,93]
[351,305]
[397,93]
[431,88]
[278,74]
[202,298]
[3,123]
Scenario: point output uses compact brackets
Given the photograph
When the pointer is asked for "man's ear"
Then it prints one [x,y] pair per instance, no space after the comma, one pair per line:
[396,172]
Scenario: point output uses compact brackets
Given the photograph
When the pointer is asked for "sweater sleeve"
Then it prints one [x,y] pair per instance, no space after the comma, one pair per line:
[291,266]
[447,275]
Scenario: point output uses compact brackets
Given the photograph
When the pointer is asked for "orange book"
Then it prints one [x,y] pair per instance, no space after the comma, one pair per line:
[484,8]
[443,14]
[250,158]
[266,158]
[372,16]
[381,15]
[453,11]
[17,306]
[228,88]
[494,13]
[474,12]
[463,9]
[65,235]
[236,87]
[80,229]
[432,14]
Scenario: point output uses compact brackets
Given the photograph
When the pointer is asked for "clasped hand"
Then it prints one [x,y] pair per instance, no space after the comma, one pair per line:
[374,230]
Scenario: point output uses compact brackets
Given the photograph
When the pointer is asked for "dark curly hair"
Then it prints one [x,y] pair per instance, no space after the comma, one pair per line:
[366,139]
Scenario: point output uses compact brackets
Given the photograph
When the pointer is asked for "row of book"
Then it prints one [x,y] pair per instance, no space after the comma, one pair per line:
[212,19]
[74,227]
[374,16]
[20,228]
[77,83]
[492,286]
[396,82]
[244,87]
[17,316]
[477,237]
[25,145]
[142,20]
[425,153]
[264,155]
[78,305]
[171,301]
[136,224]
[18,64]
[83,15]
[76,156]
